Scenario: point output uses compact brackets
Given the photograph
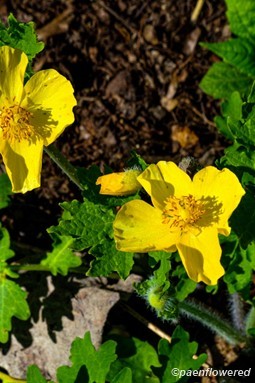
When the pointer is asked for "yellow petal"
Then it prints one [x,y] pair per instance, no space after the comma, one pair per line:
[165,179]
[123,183]
[49,97]
[224,188]
[138,227]
[13,64]
[200,255]
[23,162]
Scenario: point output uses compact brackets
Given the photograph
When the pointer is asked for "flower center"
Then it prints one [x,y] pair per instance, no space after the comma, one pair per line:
[182,212]
[14,123]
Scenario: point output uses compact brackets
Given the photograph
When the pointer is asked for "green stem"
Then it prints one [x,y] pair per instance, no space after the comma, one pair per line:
[64,164]
[29,267]
[211,320]
[38,267]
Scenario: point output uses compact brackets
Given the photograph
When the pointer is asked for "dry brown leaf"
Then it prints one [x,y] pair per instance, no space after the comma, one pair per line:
[168,104]
[184,136]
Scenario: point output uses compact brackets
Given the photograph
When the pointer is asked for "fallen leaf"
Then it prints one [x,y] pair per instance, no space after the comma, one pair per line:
[184,136]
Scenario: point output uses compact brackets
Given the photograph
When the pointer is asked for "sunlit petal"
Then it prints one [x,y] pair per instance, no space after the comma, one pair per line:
[49,97]
[165,179]
[224,188]
[138,227]
[13,65]
[200,255]
[23,162]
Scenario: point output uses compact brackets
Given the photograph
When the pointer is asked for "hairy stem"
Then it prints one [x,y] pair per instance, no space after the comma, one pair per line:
[212,320]
[64,164]
[236,311]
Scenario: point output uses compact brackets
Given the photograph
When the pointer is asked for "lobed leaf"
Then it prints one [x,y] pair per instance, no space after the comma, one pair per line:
[34,375]
[5,251]
[124,376]
[12,303]
[91,227]
[109,259]
[237,71]
[222,79]
[239,53]
[178,355]
[137,355]
[20,36]
[241,18]
[239,272]
[61,259]
[87,223]
[88,365]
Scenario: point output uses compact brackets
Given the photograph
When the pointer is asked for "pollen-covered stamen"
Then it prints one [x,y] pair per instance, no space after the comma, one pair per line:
[14,123]
[182,212]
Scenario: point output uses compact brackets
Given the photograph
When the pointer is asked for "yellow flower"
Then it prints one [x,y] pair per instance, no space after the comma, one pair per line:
[186,215]
[31,116]
[123,183]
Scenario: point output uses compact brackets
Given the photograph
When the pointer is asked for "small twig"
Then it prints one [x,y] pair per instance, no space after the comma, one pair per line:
[117,17]
[201,115]
[56,25]
[152,327]
[146,323]
[196,12]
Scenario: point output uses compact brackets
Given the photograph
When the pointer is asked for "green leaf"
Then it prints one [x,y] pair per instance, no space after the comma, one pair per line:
[88,365]
[238,52]
[91,227]
[238,275]
[5,254]
[11,292]
[87,223]
[178,355]
[5,251]
[233,106]
[34,375]
[136,161]
[161,274]
[21,36]
[139,356]
[241,17]
[109,259]
[124,376]
[5,190]
[241,131]
[184,287]
[158,256]
[241,161]
[243,220]
[223,79]
[251,95]
[61,259]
